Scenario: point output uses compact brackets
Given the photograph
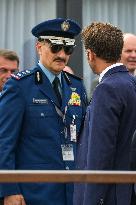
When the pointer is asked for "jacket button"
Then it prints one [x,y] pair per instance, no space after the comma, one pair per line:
[101,202]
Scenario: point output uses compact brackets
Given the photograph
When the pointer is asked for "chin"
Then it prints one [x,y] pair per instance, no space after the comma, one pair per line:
[57,71]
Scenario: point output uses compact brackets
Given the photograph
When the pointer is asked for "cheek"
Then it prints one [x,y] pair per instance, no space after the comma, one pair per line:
[2,76]
[126,55]
[45,56]
[47,60]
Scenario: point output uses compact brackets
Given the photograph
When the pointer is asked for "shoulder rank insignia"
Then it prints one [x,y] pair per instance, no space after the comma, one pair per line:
[38,77]
[67,77]
[67,74]
[21,74]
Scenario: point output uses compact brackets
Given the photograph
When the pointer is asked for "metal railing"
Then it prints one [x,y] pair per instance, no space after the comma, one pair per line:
[11,176]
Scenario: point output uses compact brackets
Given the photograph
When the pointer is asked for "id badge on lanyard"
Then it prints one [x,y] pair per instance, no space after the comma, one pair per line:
[67,152]
[72,126]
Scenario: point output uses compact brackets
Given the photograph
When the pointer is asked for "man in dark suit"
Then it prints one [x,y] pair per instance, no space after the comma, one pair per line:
[128,58]
[110,120]
[133,166]
[41,111]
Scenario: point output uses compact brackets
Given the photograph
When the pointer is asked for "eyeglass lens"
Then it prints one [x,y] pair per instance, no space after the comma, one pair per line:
[56,48]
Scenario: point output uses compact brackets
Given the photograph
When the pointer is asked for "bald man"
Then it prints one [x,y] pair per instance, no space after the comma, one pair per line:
[128,56]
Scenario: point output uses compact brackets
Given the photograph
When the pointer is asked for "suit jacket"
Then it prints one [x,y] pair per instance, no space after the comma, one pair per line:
[133,152]
[106,139]
[32,133]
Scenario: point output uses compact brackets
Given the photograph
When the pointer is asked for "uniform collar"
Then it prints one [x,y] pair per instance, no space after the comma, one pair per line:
[108,68]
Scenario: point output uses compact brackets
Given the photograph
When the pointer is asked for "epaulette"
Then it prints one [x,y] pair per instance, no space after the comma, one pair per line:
[72,75]
[21,74]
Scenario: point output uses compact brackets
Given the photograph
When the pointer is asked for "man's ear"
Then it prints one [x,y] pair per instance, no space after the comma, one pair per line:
[38,47]
[90,55]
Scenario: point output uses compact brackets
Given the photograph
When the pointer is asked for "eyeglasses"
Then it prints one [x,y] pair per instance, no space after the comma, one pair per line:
[56,48]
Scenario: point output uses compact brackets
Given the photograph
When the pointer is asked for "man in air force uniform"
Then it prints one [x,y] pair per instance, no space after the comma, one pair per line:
[41,111]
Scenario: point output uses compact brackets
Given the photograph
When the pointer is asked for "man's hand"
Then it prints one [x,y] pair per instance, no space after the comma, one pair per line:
[14,200]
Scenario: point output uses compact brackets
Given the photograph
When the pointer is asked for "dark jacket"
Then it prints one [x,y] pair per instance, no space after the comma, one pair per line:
[106,140]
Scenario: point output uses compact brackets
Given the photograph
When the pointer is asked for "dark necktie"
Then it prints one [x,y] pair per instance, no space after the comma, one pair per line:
[56,84]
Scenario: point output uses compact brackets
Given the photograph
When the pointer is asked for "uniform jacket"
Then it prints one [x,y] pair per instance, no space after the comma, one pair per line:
[105,142]
[32,131]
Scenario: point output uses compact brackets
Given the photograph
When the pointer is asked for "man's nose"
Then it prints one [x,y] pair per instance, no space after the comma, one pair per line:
[62,53]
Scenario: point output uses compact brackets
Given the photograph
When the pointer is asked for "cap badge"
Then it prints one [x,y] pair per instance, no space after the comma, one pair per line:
[65,26]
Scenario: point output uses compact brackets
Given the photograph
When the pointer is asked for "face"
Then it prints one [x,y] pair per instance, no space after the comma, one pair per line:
[55,62]
[128,57]
[7,67]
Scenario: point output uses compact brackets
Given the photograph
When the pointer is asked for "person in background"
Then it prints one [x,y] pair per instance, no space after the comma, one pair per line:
[68,69]
[110,120]
[9,63]
[128,56]
[44,126]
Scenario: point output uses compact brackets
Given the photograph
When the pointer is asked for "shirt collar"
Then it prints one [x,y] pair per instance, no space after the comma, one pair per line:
[48,73]
[106,70]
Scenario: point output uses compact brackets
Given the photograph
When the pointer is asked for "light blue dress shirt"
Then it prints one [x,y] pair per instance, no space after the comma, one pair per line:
[50,75]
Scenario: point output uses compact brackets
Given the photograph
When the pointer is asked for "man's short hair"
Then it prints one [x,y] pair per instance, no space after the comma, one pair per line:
[10,55]
[104,39]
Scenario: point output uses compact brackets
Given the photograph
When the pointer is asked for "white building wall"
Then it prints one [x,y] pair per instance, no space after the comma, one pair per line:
[118,12]
[18,17]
